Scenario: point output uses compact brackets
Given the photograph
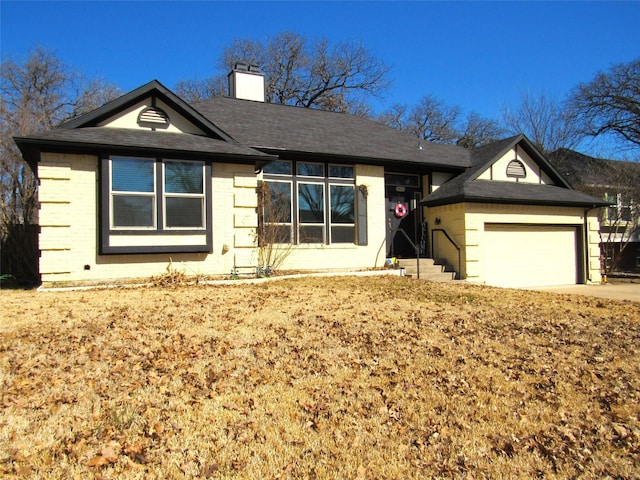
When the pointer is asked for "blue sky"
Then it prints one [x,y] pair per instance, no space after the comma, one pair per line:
[479,55]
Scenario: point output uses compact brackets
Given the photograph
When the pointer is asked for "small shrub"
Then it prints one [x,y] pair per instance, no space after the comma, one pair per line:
[171,278]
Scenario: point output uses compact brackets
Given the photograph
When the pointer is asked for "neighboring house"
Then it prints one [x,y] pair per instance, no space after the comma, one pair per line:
[618,183]
[149,179]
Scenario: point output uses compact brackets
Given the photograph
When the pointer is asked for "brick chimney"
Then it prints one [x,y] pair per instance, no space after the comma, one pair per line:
[246,82]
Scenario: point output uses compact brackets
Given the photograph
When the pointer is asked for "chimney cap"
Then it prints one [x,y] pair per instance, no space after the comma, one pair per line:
[246,67]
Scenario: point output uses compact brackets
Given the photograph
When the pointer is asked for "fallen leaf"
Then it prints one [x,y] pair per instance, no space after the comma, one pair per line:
[620,430]
[98,461]
[110,454]
[133,448]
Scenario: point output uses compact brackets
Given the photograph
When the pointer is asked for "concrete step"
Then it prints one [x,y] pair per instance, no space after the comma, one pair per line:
[430,269]
[435,277]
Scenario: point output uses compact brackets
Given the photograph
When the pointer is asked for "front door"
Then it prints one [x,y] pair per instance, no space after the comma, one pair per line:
[402,210]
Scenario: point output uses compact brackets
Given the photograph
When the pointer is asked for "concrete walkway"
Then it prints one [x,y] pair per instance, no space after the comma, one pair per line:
[616,291]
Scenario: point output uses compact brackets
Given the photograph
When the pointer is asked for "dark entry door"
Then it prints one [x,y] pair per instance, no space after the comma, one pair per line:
[402,210]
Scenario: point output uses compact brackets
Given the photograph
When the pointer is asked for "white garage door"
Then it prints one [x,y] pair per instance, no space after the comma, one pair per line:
[530,256]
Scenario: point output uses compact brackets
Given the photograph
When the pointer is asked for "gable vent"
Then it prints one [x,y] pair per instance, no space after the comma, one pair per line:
[153,117]
[516,169]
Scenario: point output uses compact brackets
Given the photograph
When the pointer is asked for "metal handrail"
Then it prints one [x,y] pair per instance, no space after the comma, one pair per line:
[433,230]
[415,247]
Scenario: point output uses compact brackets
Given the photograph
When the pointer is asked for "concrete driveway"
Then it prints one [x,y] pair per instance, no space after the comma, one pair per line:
[616,291]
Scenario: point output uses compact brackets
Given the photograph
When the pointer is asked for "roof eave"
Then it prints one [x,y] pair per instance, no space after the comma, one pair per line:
[32,147]
[510,201]
[381,161]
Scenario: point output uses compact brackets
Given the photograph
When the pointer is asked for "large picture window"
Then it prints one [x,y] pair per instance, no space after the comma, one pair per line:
[317,204]
[155,205]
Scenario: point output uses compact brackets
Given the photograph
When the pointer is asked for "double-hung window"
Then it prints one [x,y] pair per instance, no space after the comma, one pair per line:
[310,202]
[621,208]
[154,205]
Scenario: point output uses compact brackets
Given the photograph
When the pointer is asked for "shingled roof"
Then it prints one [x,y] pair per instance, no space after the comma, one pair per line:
[254,131]
[584,171]
[247,128]
[278,128]
[491,191]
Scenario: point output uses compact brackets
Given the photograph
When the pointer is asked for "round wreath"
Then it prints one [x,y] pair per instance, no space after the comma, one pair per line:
[401,210]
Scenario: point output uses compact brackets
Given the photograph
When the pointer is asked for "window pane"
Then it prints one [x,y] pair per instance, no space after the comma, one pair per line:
[343,234]
[279,167]
[402,180]
[310,169]
[183,177]
[272,233]
[311,234]
[311,203]
[342,204]
[132,175]
[277,202]
[340,171]
[183,212]
[132,211]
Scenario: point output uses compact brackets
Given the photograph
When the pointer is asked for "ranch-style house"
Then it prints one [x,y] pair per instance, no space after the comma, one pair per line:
[149,179]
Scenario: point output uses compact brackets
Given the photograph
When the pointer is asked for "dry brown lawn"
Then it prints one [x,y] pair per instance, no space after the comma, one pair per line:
[345,378]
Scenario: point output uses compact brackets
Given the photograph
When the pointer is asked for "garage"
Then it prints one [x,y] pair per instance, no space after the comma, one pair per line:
[530,255]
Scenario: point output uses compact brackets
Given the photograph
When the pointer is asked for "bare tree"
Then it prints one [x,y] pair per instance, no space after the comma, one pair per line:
[37,94]
[610,103]
[431,119]
[336,77]
[477,131]
[196,90]
[543,118]
[435,121]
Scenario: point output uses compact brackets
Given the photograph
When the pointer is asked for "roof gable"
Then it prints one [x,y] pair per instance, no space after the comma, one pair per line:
[491,162]
[129,110]
[516,165]
[148,119]
[479,185]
